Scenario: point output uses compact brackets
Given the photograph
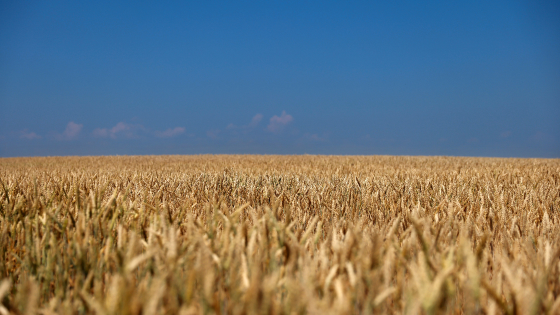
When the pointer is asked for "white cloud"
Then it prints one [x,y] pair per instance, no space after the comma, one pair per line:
[277,123]
[29,135]
[171,132]
[256,120]
[233,129]
[120,130]
[71,132]
[101,133]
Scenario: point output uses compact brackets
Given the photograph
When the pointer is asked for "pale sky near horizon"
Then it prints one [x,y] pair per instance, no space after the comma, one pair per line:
[468,78]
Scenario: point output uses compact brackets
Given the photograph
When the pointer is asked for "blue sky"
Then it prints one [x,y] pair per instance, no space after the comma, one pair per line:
[474,78]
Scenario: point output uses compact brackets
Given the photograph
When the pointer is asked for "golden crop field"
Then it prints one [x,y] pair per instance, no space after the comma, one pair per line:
[279,235]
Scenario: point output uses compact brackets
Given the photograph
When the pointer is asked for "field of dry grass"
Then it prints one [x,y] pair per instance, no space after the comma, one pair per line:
[279,235]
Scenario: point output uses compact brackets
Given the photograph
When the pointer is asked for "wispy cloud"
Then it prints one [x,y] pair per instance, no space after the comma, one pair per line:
[505,134]
[120,130]
[233,129]
[29,135]
[213,134]
[100,133]
[256,120]
[71,132]
[314,137]
[542,137]
[278,123]
[171,132]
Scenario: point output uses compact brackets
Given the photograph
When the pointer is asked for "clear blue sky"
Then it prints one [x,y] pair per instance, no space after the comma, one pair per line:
[475,78]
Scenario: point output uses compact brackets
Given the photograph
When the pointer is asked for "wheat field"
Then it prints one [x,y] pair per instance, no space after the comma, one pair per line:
[279,235]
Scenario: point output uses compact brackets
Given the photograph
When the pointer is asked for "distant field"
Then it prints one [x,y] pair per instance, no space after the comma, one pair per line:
[279,235]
